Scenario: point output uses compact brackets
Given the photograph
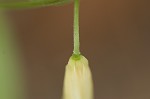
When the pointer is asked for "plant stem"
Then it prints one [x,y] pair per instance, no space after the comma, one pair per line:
[11,77]
[76,50]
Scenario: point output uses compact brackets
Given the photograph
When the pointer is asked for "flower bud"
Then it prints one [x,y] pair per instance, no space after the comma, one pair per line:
[78,82]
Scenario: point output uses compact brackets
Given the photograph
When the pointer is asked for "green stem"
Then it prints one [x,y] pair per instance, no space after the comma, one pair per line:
[11,77]
[76,50]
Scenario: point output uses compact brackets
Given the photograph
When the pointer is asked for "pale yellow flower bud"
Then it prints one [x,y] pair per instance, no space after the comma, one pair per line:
[78,82]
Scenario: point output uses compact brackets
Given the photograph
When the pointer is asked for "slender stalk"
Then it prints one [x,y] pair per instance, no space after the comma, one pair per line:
[76,50]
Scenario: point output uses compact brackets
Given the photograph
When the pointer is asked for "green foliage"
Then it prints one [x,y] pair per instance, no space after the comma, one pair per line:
[10,68]
[30,3]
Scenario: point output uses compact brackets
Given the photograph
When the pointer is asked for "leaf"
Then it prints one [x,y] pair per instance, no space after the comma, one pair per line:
[31,3]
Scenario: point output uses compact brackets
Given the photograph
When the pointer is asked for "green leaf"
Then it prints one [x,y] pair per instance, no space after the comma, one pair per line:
[30,3]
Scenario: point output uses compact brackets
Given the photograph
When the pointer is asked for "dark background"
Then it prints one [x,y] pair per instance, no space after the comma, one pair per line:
[114,37]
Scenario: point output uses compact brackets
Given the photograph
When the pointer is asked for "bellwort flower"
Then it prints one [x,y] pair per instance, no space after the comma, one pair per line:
[78,79]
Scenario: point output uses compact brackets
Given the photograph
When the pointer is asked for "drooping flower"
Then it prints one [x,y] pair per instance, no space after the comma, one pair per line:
[78,82]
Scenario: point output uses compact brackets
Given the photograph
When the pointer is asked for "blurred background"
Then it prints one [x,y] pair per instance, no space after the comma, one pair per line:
[114,37]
